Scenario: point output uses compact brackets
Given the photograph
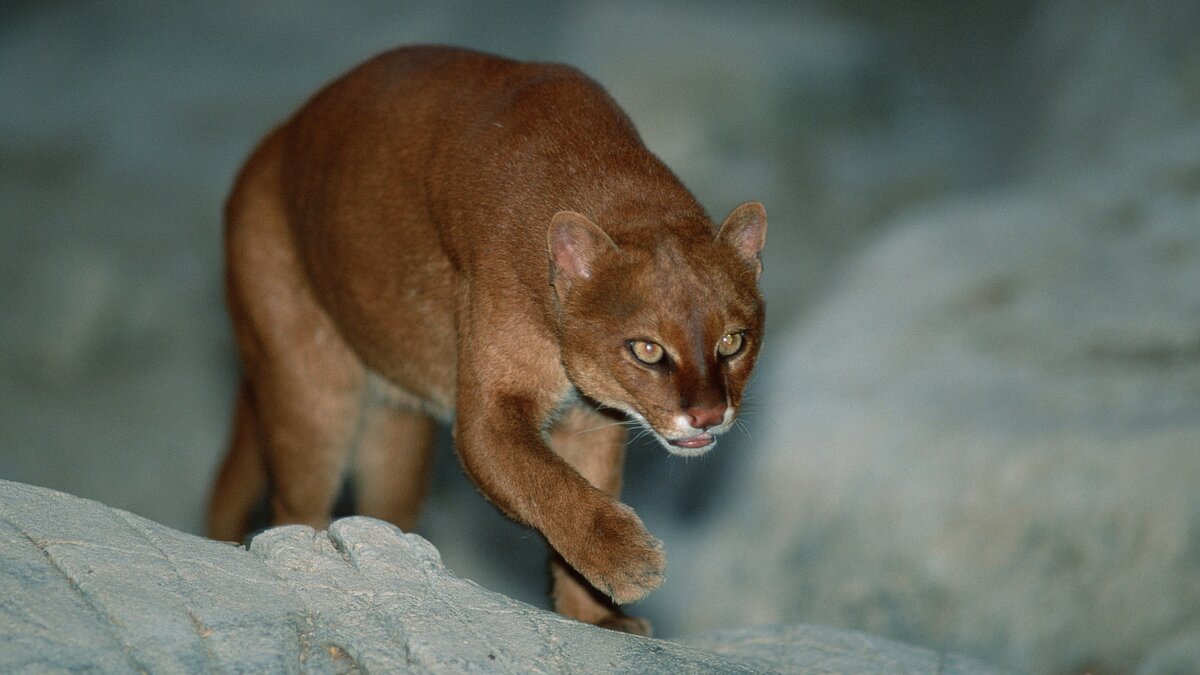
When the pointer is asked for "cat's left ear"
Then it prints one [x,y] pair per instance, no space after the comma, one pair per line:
[575,244]
[745,230]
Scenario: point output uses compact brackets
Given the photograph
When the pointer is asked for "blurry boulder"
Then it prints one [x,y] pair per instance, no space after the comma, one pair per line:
[986,437]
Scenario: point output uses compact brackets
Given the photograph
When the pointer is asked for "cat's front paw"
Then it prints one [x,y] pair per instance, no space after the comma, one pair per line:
[622,559]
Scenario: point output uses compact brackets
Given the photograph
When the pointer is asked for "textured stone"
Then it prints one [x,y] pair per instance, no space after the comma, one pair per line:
[84,586]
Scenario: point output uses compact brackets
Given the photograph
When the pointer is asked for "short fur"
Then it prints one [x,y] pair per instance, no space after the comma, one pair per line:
[446,235]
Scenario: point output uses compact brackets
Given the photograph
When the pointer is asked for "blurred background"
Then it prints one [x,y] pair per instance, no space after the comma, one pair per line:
[976,425]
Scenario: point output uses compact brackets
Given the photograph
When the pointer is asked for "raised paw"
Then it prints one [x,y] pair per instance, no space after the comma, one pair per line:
[618,556]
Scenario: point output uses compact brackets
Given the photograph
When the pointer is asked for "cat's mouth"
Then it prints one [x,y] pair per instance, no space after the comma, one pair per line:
[688,446]
[692,445]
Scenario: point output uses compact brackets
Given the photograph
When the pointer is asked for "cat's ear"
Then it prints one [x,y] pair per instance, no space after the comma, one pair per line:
[745,230]
[575,244]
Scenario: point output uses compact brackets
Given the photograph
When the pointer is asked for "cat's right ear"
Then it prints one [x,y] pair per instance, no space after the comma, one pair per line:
[575,244]
[746,231]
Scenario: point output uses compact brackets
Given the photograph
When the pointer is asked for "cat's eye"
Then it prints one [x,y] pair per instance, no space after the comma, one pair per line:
[647,352]
[730,344]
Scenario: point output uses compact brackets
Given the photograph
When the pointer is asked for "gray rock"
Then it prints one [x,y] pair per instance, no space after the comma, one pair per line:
[84,586]
[987,439]
[820,649]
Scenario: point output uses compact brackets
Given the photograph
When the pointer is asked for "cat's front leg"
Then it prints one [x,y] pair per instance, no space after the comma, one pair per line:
[613,550]
[503,405]
[594,444]
[503,451]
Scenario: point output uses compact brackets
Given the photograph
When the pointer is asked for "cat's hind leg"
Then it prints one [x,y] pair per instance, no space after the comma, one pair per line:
[306,385]
[242,479]
[390,464]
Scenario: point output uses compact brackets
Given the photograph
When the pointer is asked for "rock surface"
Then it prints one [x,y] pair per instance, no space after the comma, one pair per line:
[981,453]
[84,586]
[986,436]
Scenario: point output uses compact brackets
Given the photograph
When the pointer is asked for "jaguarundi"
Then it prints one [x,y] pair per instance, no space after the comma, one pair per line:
[442,235]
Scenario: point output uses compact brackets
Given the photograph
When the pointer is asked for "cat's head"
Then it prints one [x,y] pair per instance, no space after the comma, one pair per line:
[666,332]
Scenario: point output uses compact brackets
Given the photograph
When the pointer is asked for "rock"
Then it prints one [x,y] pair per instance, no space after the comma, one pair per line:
[89,587]
[820,649]
[986,439]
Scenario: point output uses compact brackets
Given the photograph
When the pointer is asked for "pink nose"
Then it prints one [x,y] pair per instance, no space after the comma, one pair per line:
[703,418]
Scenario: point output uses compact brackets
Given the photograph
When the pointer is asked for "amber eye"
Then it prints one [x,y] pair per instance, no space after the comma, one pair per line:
[730,344]
[647,352]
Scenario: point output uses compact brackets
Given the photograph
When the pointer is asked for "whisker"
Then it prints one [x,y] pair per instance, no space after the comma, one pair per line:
[643,431]
[745,428]
[624,423]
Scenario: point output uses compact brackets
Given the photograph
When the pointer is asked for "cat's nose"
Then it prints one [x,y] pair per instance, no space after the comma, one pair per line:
[703,418]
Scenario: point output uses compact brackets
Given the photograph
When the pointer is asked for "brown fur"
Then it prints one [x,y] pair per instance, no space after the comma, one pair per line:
[443,234]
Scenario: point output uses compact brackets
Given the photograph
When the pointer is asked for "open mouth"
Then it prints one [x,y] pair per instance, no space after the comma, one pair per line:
[693,443]
[691,446]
